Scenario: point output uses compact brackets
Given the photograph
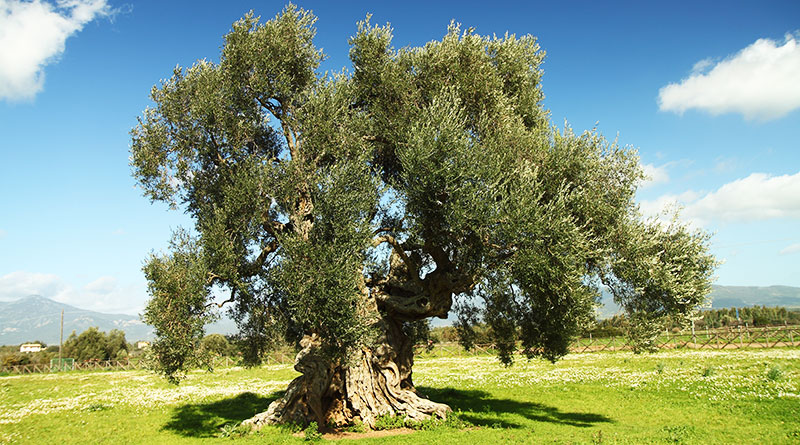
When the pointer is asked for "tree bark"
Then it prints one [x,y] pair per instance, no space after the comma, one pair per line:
[373,382]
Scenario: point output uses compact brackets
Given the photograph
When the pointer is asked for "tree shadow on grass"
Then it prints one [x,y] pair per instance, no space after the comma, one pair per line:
[480,408]
[206,419]
[477,407]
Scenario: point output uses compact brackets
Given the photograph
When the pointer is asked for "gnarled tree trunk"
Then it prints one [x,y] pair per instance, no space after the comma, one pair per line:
[373,382]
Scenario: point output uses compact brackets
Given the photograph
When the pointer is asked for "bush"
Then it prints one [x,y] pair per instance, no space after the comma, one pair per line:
[312,433]
[775,373]
[16,359]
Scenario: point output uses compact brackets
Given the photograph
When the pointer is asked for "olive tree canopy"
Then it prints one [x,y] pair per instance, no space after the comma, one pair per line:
[339,211]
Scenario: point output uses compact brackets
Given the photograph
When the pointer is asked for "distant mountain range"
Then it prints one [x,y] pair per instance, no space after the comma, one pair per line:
[731,296]
[741,296]
[37,318]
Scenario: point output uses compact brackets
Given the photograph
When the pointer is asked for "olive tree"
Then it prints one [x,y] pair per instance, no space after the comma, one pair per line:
[340,211]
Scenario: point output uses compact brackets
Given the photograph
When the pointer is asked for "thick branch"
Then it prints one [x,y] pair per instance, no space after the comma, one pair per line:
[230,299]
[255,266]
[411,268]
[276,228]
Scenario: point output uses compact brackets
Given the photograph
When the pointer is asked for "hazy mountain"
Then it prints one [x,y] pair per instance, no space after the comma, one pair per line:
[741,296]
[731,296]
[37,318]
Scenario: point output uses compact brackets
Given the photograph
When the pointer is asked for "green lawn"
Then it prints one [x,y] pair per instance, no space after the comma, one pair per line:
[741,396]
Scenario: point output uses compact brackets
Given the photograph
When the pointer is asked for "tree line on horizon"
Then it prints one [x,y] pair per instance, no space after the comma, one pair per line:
[95,345]
[619,325]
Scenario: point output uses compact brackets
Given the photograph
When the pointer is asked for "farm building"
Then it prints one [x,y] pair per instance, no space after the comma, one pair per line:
[30,347]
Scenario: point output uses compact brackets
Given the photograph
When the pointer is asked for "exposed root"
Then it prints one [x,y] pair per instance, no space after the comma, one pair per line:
[375,382]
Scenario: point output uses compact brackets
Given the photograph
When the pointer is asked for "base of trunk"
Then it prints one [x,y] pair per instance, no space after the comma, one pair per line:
[376,382]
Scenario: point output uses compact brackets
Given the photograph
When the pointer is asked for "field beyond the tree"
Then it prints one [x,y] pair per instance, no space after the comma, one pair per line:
[741,396]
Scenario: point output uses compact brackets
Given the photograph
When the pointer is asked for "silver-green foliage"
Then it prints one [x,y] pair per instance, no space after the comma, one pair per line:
[299,180]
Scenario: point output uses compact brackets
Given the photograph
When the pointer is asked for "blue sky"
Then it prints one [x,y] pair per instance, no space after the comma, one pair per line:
[709,95]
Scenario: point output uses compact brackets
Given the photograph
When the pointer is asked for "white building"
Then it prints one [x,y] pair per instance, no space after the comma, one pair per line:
[30,347]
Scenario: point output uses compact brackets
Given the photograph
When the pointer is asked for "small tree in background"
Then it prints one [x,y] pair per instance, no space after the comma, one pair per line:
[339,210]
[93,344]
[216,345]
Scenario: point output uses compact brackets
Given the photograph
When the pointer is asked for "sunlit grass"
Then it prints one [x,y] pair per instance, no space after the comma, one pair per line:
[743,396]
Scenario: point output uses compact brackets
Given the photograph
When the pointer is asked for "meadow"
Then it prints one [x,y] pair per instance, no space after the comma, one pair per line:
[741,396]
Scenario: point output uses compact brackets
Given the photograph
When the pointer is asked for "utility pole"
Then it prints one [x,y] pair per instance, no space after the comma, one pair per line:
[61,342]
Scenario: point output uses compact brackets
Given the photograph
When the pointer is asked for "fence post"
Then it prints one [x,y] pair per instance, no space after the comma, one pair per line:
[740,337]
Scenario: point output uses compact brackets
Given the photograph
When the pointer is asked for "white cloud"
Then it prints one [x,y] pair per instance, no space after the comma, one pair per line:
[664,203]
[3,233]
[762,81]
[794,248]
[754,198]
[33,34]
[103,294]
[21,284]
[655,175]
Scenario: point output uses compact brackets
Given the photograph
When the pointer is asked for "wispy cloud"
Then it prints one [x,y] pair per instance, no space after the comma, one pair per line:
[757,197]
[760,82]
[3,233]
[102,285]
[725,164]
[788,250]
[33,35]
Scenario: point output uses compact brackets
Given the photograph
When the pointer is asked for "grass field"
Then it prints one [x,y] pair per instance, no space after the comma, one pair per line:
[742,396]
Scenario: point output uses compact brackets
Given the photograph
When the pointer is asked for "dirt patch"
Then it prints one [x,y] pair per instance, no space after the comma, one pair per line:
[367,434]
[339,435]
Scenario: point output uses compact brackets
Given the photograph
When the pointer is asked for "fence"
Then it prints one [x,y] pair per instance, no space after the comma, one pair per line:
[724,338]
[98,365]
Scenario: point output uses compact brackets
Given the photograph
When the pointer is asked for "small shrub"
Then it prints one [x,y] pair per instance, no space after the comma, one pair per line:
[775,373]
[232,430]
[389,422]
[97,407]
[453,420]
[312,433]
[356,427]
[708,371]
[678,433]
[660,367]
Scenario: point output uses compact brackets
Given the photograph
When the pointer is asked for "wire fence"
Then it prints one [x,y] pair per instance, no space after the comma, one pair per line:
[723,338]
